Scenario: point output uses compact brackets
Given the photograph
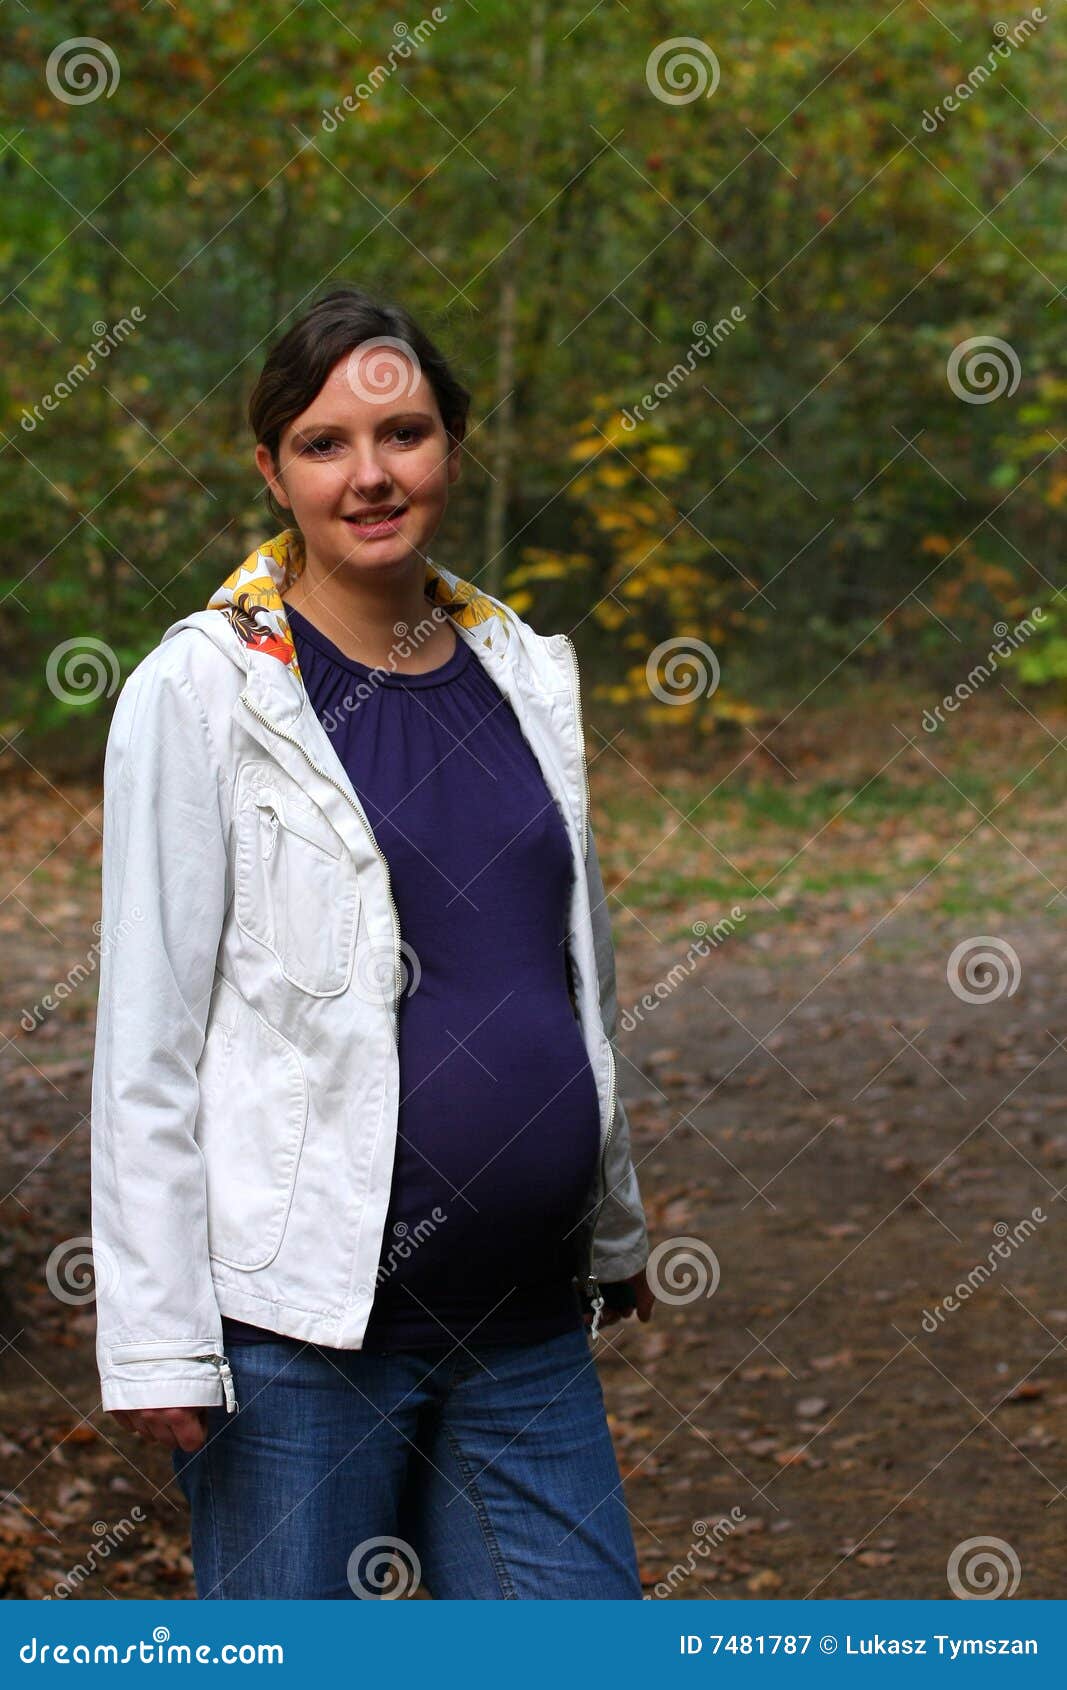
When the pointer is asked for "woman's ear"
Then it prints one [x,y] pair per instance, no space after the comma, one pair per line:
[269,471]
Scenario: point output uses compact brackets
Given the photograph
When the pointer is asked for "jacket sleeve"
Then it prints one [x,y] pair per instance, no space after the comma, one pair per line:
[620,1242]
[164,894]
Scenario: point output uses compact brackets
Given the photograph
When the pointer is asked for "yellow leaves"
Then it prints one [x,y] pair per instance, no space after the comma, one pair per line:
[520,603]
[610,615]
[589,447]
[540,564]
[613,474]
[935,545]
[667,460]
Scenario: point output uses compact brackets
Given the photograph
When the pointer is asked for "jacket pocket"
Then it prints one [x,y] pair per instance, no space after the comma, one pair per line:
[296,887]
[250,1124]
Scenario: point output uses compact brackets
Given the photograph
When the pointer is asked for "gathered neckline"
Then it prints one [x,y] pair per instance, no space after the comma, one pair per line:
[444,672]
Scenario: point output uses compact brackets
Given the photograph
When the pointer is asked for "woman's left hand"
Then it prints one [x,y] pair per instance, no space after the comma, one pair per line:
[645,1303]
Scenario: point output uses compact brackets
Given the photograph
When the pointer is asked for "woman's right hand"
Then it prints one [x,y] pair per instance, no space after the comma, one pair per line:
[177,1428]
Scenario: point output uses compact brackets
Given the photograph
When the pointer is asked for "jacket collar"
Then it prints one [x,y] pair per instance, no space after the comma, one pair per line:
[246,617]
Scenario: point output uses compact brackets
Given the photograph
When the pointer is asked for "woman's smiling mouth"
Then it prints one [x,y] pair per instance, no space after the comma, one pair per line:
[378,523]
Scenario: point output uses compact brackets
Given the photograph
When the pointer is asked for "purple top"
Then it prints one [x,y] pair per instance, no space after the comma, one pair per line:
[499,1122]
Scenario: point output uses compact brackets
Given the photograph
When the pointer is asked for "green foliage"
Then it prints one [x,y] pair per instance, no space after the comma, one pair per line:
[813,493]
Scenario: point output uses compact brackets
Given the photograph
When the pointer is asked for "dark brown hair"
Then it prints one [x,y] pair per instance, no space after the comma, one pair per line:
[298,364]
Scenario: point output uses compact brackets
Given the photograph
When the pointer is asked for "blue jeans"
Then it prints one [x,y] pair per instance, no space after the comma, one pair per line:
[486,1472]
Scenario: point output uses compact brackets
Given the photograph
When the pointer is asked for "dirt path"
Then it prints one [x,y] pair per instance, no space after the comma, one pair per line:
[816,1106]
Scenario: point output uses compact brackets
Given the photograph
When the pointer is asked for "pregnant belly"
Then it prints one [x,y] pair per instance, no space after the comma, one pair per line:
[499,1131]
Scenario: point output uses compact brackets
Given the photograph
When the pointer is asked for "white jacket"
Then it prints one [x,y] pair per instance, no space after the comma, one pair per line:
[246,1078]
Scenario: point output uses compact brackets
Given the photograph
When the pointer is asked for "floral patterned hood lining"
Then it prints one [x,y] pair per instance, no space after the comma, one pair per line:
[251,599]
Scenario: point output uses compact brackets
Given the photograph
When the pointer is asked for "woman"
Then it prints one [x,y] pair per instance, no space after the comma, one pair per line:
[357,1141]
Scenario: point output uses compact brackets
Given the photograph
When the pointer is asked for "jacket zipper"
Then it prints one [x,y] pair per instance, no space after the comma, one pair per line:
[267,723]
[121,1357]
[592,1284]
[577,692]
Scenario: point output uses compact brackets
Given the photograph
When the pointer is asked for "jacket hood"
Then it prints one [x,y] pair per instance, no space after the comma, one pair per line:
[251,600]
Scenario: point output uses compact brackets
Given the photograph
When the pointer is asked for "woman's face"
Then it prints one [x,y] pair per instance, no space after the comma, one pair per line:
[372,437]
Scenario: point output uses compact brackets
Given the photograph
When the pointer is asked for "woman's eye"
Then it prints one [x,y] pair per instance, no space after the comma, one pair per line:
[317,446]
[415,433]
